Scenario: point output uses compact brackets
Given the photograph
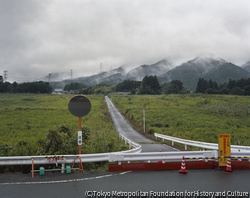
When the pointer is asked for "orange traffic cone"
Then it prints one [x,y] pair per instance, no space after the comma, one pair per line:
[229,167]
[183,170]
[160,161]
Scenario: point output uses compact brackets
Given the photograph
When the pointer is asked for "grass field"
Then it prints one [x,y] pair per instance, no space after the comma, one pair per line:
[195,117]
[28,117]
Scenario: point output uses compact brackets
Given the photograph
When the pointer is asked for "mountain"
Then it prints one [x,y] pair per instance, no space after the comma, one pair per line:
[246,66]
[207,66]
[146,70]
[122,73]
[112,77]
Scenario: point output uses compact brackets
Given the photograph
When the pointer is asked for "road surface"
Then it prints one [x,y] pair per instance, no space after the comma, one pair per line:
[82,184]
[123,127]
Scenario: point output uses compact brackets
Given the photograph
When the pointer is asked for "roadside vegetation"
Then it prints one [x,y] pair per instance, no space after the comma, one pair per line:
[40,124]
[200,117]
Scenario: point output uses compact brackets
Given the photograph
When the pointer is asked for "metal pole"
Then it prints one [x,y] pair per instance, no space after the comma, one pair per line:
[32,167]
[144,120]
[63,167]
[80,130]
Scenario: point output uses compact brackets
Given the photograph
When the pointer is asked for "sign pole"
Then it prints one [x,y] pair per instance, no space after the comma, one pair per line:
[143,113]
[80,148]
[79,106]
[144,120]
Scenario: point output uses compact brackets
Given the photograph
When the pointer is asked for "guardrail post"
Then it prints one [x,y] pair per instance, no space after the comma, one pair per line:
[32,167]
[185,147]
[63,168]
[172,143]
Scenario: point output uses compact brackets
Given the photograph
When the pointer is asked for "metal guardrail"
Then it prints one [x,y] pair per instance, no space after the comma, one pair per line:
[166,156]
[203,145]
[62,159]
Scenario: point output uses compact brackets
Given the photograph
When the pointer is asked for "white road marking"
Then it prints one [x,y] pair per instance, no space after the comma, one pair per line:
[64,181]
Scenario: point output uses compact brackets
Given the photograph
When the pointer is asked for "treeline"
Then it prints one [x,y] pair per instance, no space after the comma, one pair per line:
[29,87]
[74,86]
[149,85]
[102,88]
[234,87]
[128,86]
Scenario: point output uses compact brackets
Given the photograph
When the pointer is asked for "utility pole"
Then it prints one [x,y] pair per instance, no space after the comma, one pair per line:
[49,76]
[71,74]
[143,113]
[5,76]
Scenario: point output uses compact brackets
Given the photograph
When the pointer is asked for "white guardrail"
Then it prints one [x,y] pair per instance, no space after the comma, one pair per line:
[133,154]
[62,159]
[203,145]
[177,156]
[236,152]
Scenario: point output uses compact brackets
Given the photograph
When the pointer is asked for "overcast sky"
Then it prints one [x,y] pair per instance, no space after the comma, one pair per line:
[38,37]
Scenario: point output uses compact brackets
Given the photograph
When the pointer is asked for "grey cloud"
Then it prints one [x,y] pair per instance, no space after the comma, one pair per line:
[40,37]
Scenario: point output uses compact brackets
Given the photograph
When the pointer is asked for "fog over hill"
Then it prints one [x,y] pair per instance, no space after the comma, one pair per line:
[246,66]
[146,70]
[207,66]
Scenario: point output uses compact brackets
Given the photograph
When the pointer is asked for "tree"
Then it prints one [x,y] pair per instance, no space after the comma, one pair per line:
[202,86]
[215,86]
[74,86]
[150,85]
[128,85]
[177,86]
[210,84]
[210,91]
[224,90]
[231,84]
[237,91]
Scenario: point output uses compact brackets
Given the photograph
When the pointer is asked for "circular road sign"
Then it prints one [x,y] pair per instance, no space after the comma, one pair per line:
[79,105]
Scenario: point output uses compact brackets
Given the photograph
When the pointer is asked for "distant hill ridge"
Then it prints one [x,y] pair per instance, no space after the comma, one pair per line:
[207,66]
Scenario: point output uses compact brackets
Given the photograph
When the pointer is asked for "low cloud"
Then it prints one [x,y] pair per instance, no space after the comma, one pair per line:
[42,37]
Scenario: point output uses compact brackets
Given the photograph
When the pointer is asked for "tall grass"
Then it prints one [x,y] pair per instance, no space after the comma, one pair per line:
[197,117]
[26,118]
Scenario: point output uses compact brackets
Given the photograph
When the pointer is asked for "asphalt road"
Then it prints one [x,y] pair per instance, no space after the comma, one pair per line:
[123,127]
[151,182]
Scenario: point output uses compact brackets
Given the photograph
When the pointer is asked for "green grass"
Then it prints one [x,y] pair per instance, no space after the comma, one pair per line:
[196,117]
[27,117]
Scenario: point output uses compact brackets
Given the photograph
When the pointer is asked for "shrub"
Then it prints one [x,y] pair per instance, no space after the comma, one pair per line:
[151,131]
